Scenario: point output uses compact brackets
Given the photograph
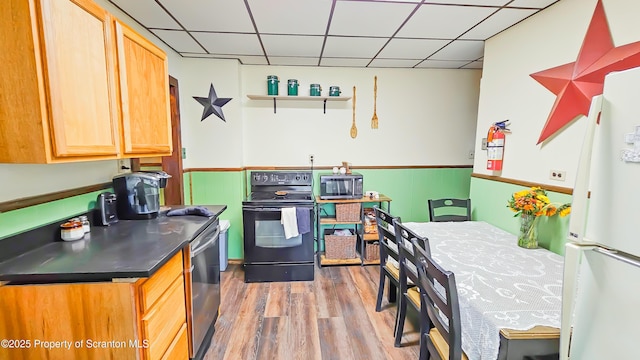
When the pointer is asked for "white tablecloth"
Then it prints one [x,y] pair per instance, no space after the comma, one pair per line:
[500,285]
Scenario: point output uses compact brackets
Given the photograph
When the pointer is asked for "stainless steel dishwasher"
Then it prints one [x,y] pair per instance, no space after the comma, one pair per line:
[205,288]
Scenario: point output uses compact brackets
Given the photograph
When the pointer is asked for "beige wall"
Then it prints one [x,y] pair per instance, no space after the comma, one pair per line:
[548,39]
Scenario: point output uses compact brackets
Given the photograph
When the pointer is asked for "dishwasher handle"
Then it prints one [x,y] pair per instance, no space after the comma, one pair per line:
[202,247]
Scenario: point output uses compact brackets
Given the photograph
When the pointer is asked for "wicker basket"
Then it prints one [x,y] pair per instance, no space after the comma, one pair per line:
[348,212]
[372,251]
[339,246]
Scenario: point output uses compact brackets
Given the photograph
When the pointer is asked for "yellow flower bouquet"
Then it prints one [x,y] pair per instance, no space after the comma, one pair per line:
[529,205]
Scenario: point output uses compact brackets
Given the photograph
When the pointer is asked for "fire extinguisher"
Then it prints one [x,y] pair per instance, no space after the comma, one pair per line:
[495,145]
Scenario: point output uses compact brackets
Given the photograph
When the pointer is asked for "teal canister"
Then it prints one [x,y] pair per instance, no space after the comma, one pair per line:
[315,90]
[334,91]
[292,87]
[272,85]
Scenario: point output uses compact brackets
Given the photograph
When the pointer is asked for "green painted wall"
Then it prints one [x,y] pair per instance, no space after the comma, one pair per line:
[489,203]
[17,221]
[222,188]
[409,190]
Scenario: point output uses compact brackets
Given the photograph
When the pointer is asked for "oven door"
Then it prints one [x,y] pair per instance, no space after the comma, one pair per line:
[264,240]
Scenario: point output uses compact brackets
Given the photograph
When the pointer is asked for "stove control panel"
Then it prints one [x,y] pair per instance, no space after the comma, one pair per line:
[281,178]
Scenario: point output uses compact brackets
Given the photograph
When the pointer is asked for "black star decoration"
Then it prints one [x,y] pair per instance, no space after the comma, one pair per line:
[212,104]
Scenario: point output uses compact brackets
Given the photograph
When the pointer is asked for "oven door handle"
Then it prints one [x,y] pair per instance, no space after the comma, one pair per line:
[262,209]
[197,251]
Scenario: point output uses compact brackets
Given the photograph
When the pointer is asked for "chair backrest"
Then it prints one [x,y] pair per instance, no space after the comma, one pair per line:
[449,209]
[405,236]
[386,235]
[440,296]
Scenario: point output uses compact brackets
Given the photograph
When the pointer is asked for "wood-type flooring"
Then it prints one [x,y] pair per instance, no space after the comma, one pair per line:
[332,317]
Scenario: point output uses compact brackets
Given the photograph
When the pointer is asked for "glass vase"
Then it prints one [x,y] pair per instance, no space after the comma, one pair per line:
[528,236]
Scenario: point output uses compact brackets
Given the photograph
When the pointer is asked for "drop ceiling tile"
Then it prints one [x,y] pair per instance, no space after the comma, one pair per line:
[293,61]
[346,62]
[538,4]
[357,47]
[497,22]
[471,2]
[473,65]
[394,63]
[362,18]
[210,15]
[244,59]
[461,50]
[179,41]
[435,21]
[411,48]
[236,44]
[148,13]
[303,17]
[292,45]
[439,64]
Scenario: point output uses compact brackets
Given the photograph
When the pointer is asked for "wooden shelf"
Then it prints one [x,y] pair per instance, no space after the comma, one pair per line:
[333,221]
[371,237]
[371,262]
[325,261]
[364,199]
[324,99]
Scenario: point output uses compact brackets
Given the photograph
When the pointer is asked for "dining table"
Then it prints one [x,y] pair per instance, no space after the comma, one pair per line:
[510,297]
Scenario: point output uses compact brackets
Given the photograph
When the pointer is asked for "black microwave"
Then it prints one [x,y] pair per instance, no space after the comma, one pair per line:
[347,186]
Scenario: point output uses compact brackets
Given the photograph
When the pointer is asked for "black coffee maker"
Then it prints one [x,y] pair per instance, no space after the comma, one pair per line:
[138,194]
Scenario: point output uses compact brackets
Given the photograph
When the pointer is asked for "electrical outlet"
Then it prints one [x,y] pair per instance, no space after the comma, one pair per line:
[557,175]
[311,158]
[184,153]
[124,166]
[484,143]
[471,154]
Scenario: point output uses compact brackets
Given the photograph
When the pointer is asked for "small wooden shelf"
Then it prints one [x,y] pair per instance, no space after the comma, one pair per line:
[371,237]
[324,99]
[333,221]
[325,261]
[371,262]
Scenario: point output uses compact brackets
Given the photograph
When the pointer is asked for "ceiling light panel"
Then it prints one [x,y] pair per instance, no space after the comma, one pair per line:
[411,48]
[301,17]
[210,15]
[292,45]
[179,41]
[394,63]
[538,4]
[232,44]
[148,13]
[443,22]
[293,61]
[364,18]
[497,22]
[346,62]
[356,47]
[496,3]
[439,64]
[460,50]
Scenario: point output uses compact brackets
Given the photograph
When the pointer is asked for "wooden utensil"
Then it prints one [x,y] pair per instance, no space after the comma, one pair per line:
[354,130]
[374,119]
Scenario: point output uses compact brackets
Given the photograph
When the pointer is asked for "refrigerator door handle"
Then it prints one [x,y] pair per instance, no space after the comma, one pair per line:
[624,257]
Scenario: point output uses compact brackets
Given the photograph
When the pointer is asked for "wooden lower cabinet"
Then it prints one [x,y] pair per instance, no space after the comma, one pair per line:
[96,320]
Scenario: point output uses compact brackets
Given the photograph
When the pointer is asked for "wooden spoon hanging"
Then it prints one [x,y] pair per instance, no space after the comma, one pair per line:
[354,130]
[374,119]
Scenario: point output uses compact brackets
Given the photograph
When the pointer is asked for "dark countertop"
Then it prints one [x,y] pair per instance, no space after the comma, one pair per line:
[127,249]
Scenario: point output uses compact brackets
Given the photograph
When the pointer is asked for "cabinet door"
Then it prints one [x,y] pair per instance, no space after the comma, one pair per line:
[144,94]
[81,88]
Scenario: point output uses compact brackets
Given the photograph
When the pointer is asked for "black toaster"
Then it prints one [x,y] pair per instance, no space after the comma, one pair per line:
[105,212]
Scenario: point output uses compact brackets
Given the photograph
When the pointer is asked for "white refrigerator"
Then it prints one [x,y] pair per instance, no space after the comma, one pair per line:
[601,293]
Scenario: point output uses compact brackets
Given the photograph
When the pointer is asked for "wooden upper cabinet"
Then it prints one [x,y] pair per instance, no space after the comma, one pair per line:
[77,85]
[59,91]
[144,95]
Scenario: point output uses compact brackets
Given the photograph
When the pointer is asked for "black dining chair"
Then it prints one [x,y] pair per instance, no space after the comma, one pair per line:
[389,256]
[449,209]
[441,335]
[409,293]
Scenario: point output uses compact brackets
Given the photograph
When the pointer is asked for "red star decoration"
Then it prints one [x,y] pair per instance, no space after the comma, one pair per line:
[577,82]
